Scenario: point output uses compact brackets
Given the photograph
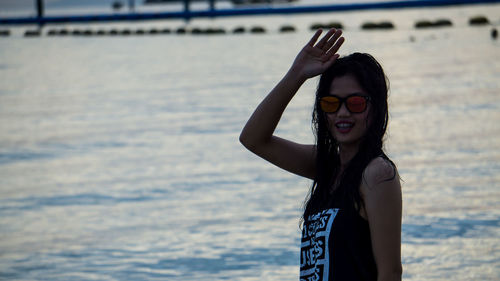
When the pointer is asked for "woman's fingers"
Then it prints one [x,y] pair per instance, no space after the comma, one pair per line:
[332,40]
[333,46]
[336,46]
[323,42]
[314,38]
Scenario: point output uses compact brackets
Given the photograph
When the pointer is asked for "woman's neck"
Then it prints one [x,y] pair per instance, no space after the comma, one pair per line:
[346,153]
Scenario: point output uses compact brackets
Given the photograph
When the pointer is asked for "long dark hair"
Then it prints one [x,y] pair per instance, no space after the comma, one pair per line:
[372,79]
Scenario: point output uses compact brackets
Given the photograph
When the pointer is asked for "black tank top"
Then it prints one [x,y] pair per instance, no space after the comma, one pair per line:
[336,245]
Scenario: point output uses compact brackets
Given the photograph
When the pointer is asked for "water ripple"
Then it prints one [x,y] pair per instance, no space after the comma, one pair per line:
[32,203]
[444,228]
[10,157]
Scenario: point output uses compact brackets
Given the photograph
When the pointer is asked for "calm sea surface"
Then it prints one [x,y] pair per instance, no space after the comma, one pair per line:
[120,160]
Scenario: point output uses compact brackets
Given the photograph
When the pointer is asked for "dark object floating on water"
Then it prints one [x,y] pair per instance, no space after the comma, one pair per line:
[443,22]
[239,30]
[100,32]
[4,33]
[153,31]
[113,32]
[140,32]
[196,30]
[494,33]
[334,24]
[207,31]
[181,30]
[432,24]
[287,28]
[316,26]
[215,31]
[166,31]
[52,32]
[380,25]
[125,32]
[257,29]
[32,33]
[479,20]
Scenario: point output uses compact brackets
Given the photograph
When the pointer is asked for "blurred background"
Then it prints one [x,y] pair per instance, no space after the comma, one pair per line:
[119,152]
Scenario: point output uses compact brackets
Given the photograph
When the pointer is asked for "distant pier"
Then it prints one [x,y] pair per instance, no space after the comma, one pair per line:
[214,13]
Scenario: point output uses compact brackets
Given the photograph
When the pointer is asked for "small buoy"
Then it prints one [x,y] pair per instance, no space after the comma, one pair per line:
[334,24]
[32,33]
[423,24]
[443,23]
[76,32]
[100,32]
[430,24]
[181,30]
[330,25]
[88,32]
[166,31]
[258,29]
[287,28]
[238,30]
[153,31]
[494,33]
[63,32]
[368,25]
[196,31]
[386,25]
[479,20]
[139,32]
[113,32]
[316,26]
[381,25]
[207,31]
[212,30]
[125,32]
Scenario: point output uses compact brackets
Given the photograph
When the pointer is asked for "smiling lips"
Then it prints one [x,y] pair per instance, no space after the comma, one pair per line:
[344,126]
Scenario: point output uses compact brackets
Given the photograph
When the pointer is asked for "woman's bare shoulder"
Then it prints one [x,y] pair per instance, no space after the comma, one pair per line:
[380,170]
[381,187]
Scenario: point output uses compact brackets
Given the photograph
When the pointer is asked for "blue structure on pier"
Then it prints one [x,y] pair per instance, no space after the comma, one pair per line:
[212,12]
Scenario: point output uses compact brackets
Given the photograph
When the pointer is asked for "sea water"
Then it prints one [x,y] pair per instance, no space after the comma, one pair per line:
[120,160]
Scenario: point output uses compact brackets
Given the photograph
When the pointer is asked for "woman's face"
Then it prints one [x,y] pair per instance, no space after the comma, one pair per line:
[347,127]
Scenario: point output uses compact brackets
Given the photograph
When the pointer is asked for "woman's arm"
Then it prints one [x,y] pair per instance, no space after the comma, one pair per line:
[381,191]
[257,135]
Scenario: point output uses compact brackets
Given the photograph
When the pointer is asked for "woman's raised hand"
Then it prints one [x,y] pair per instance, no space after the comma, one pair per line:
[316,57]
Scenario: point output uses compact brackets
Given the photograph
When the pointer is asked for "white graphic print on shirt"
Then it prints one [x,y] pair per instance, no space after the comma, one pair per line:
[314,256]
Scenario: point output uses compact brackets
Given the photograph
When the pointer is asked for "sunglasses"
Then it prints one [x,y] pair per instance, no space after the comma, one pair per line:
[355,103]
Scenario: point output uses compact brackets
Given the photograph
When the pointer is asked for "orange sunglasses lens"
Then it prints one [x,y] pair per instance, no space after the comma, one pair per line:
[355,104]
[329,104]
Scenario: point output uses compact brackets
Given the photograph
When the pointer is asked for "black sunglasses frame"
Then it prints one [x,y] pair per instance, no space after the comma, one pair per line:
[344,100]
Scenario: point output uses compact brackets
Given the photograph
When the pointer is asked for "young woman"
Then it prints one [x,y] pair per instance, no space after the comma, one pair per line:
[352,216]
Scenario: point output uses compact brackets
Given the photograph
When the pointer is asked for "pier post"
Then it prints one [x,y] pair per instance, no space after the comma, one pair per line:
[186,10]
[131,6]
[212,5]
[39,13]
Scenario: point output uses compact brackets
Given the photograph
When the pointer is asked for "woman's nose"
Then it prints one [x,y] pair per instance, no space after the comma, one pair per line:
[343,110]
